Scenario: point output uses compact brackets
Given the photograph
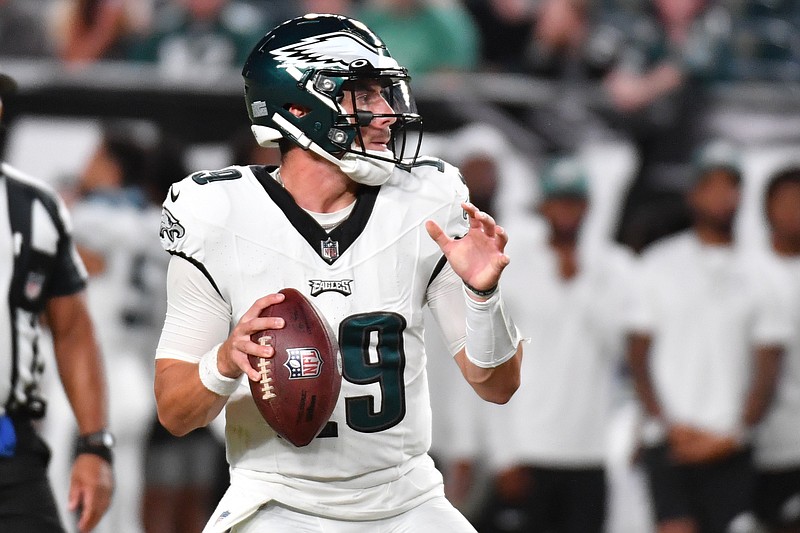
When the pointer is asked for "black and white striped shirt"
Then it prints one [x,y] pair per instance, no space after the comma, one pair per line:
[38,262]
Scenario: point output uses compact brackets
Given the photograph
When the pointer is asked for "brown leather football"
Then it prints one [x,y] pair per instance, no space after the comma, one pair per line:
[300,385]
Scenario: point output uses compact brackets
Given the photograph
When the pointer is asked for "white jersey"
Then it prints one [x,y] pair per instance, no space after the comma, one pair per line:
[778,436]
[576,330]
[707,308]
[127,301]
[126,298]
[369,277]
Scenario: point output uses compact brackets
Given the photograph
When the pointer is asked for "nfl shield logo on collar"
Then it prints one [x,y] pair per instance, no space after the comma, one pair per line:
[330,249]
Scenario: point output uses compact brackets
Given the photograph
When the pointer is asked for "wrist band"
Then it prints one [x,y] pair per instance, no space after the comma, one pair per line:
[483,294]
[105,453]
[211,377]
[98,443]
[492,337]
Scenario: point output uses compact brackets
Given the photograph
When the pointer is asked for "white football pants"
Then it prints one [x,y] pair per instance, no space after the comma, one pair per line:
[434,516]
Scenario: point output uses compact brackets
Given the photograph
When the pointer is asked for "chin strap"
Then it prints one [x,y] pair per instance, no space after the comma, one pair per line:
[359,168]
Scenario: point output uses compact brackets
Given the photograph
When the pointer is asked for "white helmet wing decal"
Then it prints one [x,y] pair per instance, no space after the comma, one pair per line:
[337,49]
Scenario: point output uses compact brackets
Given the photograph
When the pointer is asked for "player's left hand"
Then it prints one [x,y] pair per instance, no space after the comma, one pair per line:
[478,258]
[90,489]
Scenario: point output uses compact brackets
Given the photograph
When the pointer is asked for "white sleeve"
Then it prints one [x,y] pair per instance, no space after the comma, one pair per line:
[640,315]
[773,324]
[197,319]
[446,302]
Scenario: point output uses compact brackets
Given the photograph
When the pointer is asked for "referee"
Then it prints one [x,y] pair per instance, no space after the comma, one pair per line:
[41,274]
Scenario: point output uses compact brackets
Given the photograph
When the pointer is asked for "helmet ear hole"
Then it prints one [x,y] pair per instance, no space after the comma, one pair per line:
[297,110]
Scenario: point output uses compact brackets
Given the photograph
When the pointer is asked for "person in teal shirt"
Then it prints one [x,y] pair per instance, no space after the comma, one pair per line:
[189,33]
[424,36]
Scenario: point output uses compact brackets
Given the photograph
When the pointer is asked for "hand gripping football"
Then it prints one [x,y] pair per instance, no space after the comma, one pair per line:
[300,384]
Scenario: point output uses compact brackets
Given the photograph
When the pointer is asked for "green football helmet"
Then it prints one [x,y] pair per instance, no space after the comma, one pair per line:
[309,62]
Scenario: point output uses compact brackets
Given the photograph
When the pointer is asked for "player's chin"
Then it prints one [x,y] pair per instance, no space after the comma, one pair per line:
[374,147]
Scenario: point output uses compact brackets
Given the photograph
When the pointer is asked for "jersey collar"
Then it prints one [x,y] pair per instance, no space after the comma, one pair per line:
[328,246]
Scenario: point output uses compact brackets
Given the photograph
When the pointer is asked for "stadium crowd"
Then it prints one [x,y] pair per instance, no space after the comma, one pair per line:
[655,255]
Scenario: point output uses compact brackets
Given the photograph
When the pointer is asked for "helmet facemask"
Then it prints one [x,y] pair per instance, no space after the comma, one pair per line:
[346,134]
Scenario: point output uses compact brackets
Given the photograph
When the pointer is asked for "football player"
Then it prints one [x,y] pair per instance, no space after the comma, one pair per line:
[124,292]
[777,450]
[371,237]
[708,331]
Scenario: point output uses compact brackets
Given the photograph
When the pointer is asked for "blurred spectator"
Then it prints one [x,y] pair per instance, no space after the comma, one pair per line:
[88,30]
[498,176]
[337,7]
[506,31]
[657,89]
[481,153]
[766,45]
[424,35]
[679,40]
[560,35]
[179,497]
[246,151]
[778,439]
[570,301]
[708,332]
[182,477]
[201,38]
[22,32]
[115,230]
[474,150]
[182,474]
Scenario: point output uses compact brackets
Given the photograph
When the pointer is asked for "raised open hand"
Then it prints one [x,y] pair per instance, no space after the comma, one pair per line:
[478,258]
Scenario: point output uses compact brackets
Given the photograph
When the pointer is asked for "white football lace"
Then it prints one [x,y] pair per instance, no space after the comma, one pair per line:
[265,369]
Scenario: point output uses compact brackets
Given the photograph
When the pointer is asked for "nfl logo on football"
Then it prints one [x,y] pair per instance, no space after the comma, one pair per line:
[303,363]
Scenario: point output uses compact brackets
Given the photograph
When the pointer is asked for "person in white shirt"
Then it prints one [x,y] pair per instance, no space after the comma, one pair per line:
[570,299]
[707,336]
[777,444]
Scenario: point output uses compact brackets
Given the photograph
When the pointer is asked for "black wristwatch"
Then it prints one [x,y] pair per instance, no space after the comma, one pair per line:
[98,443]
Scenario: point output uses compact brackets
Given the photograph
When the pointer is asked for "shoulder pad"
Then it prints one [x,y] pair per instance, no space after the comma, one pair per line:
[426,161]
[193,203]
[435,168]
[204,177]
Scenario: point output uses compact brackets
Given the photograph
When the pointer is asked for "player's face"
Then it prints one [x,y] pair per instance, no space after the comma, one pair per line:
[715,199]
[784,210]
[564,215]
[369,97]
[678,11]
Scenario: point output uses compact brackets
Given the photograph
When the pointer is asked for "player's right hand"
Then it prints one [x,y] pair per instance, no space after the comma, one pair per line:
[232,355]
[91,487]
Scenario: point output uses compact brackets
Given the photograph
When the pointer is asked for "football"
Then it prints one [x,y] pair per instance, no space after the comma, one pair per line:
[300,384]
